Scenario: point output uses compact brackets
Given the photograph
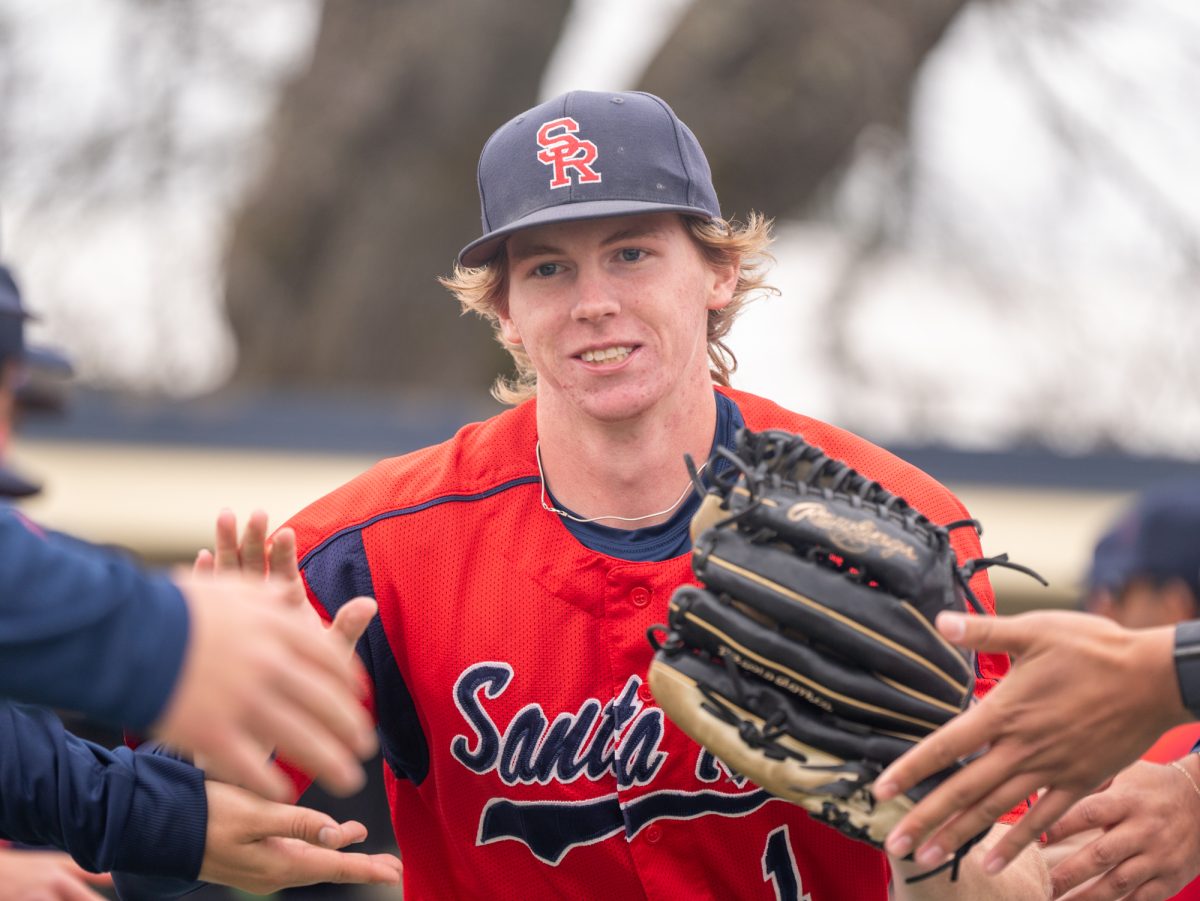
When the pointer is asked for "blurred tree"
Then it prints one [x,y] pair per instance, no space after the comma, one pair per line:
[779,92]
[366,198]
[331,269]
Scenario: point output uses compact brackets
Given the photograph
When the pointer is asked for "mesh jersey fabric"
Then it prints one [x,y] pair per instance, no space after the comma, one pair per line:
[524,755]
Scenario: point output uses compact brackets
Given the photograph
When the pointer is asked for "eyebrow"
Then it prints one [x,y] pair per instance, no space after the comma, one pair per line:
[519,253]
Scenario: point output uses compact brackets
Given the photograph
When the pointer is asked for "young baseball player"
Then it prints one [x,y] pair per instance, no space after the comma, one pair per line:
[519,565]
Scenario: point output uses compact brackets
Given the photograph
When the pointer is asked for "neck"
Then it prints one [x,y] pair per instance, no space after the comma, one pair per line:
[630,468]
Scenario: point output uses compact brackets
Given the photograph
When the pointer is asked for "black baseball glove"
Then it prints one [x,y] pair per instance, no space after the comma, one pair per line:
[809,659]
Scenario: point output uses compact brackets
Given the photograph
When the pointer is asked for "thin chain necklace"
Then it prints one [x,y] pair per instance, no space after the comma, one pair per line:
[537,450]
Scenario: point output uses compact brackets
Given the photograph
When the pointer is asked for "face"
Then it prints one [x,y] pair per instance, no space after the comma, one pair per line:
[9,373]
[613,313]
[1144,604]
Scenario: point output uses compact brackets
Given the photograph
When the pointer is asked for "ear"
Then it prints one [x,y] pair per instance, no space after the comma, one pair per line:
[1179,600]
[508,330]
[722,284]
[1101,602]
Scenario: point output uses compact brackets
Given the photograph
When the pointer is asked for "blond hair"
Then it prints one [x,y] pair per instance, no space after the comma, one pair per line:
[483,291]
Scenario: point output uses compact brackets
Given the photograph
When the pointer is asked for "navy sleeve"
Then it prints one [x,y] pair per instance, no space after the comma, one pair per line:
[84,629]
[107,809]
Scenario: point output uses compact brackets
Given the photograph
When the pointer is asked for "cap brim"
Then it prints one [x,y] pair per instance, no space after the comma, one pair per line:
[49,361]
[13,484]
[481,250]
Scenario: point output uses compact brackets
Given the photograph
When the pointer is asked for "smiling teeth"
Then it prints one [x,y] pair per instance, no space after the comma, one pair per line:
[607,355]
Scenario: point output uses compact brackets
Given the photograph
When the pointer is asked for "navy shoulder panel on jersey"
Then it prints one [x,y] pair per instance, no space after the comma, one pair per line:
[336,572]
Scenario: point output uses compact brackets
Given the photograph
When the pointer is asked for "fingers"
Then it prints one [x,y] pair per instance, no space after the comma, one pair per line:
[959,738]
[253,547]
[234,758]
[310,745]
[986,777]
[205,564]
[352,620]
[1048,808]
[975,818]
[247,554]
[73,890]
[226,548]
[101,880]
[1095,812]
[997,634]
[1090,861]
[66,887]
[271,820]
[345,868]
[1127,880]
[283,564]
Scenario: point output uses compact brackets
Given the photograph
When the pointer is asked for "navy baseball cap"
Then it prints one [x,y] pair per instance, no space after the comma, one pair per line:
[13,484]
[1112,557]
[12,317]
[1158,537]
[588,155]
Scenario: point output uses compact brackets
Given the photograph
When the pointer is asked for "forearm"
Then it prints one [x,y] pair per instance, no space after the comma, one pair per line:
[1026,877]
[107,809]
[86,630]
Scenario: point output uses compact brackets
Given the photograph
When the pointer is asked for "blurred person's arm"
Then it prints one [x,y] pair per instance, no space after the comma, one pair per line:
[85,630]
[153,815]
[262,846]
[107,809]
[220,667]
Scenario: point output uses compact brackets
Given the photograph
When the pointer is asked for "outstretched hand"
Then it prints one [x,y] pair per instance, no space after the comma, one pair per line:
[48,876]
[1125,852]
[263,672]
[1084,698]
[261,847]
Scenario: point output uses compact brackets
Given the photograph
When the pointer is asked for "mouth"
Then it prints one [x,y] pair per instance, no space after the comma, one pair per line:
[607,356]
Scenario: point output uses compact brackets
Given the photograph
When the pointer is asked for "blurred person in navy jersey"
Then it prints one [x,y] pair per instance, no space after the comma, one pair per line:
[1145,573]
[110,809]
[91,632]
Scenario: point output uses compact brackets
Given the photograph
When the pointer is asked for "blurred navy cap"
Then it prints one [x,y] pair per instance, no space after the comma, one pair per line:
[1158,537]
[588,155]
[12,332]
[13,484]
[1112,556]
[12,317]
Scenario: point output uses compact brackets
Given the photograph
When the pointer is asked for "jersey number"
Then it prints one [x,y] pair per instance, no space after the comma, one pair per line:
[779,867]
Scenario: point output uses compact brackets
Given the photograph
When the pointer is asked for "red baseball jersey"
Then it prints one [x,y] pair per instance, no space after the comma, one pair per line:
[524,754]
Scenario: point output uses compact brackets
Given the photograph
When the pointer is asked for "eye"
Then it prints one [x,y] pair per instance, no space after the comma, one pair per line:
[545,270]
[631,254]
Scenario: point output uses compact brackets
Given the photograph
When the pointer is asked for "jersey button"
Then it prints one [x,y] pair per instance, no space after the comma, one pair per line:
[653,834]
[645,693]
[640,597]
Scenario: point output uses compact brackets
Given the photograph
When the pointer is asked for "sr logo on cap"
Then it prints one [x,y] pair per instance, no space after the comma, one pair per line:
[650,163]
[563,151]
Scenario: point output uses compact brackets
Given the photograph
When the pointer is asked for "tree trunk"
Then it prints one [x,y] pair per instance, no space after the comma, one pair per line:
[369,192]
[777,91]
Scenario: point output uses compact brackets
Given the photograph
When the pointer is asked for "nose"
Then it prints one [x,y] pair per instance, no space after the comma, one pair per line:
[595,297]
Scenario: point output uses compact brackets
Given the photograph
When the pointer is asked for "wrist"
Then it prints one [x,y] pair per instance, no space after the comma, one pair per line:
[1186,659]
